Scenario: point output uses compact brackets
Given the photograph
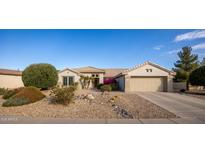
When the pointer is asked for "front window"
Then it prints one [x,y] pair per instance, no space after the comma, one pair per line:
[71,80]
[68,80]
[65,80]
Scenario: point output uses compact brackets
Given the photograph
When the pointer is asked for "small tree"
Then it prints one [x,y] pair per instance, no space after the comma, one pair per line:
[41,76]
[85,81]
[197,77]
[185,65]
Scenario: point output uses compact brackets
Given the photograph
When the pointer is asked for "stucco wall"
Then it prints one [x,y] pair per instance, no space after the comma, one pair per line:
[125,82]
[77,77]
[101,76]
[179,85]
[67,73]
[121,83]
[143,72]
[10,81]
[170,83]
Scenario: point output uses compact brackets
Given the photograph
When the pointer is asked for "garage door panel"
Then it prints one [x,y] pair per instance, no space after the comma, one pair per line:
[147,84]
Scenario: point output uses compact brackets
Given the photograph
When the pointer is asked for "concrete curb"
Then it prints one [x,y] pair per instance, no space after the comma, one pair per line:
[30,120]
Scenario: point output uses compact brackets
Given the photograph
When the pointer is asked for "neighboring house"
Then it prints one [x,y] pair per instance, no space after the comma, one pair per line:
[146,77]
[10,79]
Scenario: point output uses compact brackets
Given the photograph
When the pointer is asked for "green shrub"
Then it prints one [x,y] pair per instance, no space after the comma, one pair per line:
[41,76]
[11,93]
[197,77]
[106,88]
[75,85]
[114,86]
[99,86]
[63,95]
[3,91]
[15,102]
[85,81]
[32,94]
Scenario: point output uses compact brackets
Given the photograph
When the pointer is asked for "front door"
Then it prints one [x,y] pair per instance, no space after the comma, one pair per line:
[96,82]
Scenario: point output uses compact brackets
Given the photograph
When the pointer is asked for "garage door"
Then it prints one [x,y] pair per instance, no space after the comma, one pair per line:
[147,84]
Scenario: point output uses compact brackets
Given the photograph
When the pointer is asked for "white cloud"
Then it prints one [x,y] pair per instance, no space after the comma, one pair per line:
[199,46]
[173,51]
[195,47]
[158,47]
[190,36]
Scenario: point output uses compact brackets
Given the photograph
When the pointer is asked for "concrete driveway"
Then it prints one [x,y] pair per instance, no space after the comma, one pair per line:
[186,107]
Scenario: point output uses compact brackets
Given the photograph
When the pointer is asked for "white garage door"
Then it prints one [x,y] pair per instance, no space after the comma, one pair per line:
[147,84]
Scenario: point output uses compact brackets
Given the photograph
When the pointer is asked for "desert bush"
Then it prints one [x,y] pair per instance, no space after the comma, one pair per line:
[106,88]
[75,85]
[99,86]
[3,91]
[32,94]
[197,77]
[41,76]
[182,90]
[9,93]
[15,102]
[114,86]
[62,95]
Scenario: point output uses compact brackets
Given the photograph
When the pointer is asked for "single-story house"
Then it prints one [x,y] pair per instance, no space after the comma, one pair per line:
[10,79]
[69,76]
[144,77]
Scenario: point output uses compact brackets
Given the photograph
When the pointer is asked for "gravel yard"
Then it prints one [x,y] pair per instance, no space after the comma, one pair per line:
[101,107]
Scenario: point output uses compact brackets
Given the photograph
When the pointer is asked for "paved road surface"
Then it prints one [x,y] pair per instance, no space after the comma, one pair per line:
[186,107]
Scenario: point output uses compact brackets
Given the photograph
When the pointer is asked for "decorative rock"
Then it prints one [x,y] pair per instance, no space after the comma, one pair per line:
[90,97]
[125,114]
[112,101]
[122,112]
[105,93]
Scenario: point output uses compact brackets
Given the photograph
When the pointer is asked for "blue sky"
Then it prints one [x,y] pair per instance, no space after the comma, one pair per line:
[98,48]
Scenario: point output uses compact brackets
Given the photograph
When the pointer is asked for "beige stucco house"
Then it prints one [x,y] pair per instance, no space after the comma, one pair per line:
[146,77]
[68,76]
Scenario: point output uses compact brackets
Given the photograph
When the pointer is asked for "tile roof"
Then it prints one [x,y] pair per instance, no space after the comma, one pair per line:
[149,63]
[10,72]
[111,72]
[89,69]
[72,70]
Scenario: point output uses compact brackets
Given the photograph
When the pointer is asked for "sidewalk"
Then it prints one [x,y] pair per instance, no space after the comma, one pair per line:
[29,120]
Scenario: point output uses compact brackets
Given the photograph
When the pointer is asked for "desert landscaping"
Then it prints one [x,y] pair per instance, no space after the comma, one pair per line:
[91,104]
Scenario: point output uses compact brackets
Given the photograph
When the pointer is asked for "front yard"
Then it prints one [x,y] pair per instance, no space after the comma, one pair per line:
[112,105]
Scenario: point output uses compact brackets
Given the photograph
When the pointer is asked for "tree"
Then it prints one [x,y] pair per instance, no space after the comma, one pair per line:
[197,77]
[203,61]
[41,76]
[85,81]
[185,65]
